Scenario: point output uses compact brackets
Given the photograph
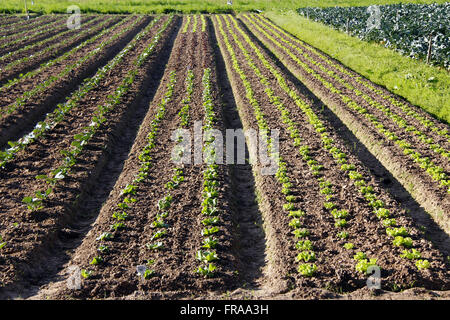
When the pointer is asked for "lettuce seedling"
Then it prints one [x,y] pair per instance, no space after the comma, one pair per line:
[389,222]
[339,214]
[366,190]
[129,200]
[329,205]
[301,233]
[155,246]
[105,236]
[120,215]
[411,255]
[209,231]
[129,189]
[423,264]
[158,223]
[285,191]
[209,243]
[210,221]
[364,264]
[306,256]
[304,245]
[207,271]
[295,223]
[117,226]
[397,232]
[340,223]
[402,241]
[206,256]
[165,203]
[2,243]
[35,204]
[326,191]
[361,183]
[347,167]
[291,198]
[360,256]
[374,203]
[343,235]
[297,214]
[97,260]
[123,206]
[307,270]
[288,206]
[209,211]
[159,234]
[382,213]
[103,248]
[354,175]
[349,245]
[86,274]
[148,274]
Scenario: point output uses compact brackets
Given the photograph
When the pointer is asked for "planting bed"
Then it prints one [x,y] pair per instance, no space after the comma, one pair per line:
[91,190]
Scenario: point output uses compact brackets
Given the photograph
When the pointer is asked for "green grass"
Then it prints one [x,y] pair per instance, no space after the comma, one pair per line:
[421,84]
[186,6]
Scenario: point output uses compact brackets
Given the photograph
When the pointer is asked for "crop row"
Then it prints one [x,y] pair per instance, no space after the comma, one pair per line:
[129,192]
[55,117]
[27,35]
[325,187]
[32,46]
[398,233]
[305,246]
[394,117]
[80,140]
[15,30]
[435,172]
[186,24]
[20,101]
[46,65]
[210,192]
[404,107]
[12,22]
[195,23]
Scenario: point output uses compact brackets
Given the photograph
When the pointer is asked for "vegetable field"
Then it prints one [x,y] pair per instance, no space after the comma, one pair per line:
[94,203]
[408,28]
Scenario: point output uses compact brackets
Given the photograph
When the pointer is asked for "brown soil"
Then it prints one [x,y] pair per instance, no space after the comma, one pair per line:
[175,267]
[10,21]
[38,231]
[365,230]
[16,24]
[419,183]
[15,42]
[23,119]
[35,57]
[256,250]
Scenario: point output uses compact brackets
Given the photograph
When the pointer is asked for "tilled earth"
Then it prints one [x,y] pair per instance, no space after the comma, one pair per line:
[257,253]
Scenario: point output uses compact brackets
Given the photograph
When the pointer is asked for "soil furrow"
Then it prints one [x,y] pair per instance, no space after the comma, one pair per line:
[341,84]
[418,182]
[362,223]
[40,230]
[32,57]
[23,119]
[42,32]
[22,24]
